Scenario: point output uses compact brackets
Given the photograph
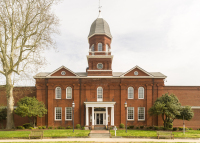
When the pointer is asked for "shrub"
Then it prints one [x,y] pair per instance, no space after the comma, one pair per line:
[83,128]
[171,125]
[147,128]
[155,128]
[50,127]
[175,129]
[164,128]
[27,125]
[128,127]
[39,127]
[190,129]
[44,127]
[55,128]
[198,129]
[30,128]
[132,127]
[59,127]
[180,128]
[150,127]
[121,125]
[161,128]
[68,127]
[141,127]
[78,126]
[137,127]
[20,127]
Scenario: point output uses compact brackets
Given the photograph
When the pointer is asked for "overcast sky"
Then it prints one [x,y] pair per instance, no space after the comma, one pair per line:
[157,35]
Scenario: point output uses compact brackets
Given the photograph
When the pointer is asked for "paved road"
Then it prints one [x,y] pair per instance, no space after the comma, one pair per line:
[118,140]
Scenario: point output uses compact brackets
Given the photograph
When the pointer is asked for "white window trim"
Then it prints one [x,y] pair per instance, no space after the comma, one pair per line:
[91,48]
[101,46]
[65,114]
[143,92]
[66,92]
[56,93]
[55,114]
[133,114]
[102,94]
[133,92]
[138,114]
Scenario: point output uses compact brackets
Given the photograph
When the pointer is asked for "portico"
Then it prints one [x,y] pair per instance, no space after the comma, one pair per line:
[99,115]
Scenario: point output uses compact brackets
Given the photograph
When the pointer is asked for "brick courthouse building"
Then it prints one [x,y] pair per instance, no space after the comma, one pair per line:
[99,93]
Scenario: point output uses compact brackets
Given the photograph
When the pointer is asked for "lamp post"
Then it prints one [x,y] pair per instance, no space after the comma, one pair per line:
[183,126]
[125,105]
[73,105]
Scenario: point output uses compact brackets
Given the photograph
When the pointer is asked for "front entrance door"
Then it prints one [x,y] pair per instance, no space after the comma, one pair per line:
[99,119]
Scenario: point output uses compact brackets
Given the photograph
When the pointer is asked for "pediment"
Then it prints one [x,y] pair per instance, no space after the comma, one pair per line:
[58,72]
[138,70]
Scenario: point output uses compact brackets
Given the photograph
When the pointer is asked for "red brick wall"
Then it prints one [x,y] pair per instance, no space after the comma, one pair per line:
[18,92]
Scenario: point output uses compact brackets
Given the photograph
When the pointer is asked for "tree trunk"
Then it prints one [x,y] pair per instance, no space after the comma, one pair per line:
[10,103]
[33,122]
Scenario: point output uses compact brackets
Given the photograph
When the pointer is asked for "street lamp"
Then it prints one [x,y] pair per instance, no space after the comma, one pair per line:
[125,105]
[73,105]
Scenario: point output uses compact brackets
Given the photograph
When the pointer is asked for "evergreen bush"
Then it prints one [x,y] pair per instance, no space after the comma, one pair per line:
[78,126]
[121,125]
[50,127]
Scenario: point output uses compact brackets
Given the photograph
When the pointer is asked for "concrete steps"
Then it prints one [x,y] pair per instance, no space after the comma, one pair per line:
[99,134]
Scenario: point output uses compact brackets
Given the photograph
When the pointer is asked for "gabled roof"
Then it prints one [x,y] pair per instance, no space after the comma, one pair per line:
[137,67]
[62,67]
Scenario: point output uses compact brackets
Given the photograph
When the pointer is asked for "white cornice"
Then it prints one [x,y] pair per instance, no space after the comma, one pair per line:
[99,70]
[100,56]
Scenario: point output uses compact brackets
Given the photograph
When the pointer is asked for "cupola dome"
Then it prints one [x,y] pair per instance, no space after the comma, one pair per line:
[100,27]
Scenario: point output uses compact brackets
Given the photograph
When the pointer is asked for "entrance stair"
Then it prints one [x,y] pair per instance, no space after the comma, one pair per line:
[99,134]
[99,127]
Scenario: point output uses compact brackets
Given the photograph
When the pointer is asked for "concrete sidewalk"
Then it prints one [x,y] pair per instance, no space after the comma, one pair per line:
[118,140]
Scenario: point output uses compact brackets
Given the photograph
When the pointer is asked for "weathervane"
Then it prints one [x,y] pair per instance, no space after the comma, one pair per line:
[100,6]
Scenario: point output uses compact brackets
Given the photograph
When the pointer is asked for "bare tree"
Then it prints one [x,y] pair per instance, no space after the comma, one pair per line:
[26,27]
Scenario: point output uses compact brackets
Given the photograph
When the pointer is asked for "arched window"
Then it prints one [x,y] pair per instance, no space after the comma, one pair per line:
[130,93]
[141,93]
[99,94]
[107,47]
[92,48]
[58,92]
[68,93]
[100,48]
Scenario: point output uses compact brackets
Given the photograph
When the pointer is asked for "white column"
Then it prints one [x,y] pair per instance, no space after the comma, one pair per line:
[106,115]
[112,116]
[87,121]
[93,116]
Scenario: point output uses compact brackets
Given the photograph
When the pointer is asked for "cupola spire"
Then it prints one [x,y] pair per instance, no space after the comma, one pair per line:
[100,16]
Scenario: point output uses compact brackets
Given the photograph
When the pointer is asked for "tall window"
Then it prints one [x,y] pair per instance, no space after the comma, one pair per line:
[130,93]
[99,94]
[58,113]
[58,93]
[141,113]
[68,113]
[107,47]
[68,93]
[141,93]
[100,48]
[130,113]
[92,48]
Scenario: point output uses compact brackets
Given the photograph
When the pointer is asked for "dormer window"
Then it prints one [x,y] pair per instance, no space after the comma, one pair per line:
[92,48]
[100,48]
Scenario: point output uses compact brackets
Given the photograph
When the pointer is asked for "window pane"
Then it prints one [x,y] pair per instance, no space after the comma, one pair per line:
[92,48]
[141,92]
[58,113]
[58,93]
[100,47]
[130,111]
[68,113]
[69,92]
[141,113]
[130,92]
[99,94]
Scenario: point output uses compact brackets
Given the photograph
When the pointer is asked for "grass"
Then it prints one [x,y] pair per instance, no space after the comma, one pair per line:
[47,133]
[145,133]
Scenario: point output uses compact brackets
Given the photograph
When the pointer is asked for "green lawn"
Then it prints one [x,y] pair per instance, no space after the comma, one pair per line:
[47,133]
[143,133]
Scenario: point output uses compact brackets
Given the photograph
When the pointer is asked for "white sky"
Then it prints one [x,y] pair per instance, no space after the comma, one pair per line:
[157,35]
